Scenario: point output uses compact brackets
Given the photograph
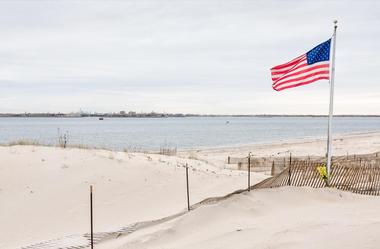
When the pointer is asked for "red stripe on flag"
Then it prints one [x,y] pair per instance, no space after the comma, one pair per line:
[279,74]
[277,83]
[308,69]
[299,67]
[291,69]
[300,84]
[292,62]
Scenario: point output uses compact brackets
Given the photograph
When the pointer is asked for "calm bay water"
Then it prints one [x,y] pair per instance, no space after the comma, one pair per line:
[185,133]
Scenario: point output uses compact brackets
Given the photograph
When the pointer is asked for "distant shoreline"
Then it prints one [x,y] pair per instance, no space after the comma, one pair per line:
[163,115]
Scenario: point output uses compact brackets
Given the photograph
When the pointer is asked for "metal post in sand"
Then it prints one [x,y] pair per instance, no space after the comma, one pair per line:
[92,220]
[187,187]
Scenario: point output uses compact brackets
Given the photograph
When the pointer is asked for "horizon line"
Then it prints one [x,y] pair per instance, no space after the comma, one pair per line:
[163,114]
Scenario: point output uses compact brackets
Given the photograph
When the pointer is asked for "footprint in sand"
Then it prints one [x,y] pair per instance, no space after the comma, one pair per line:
[64,166]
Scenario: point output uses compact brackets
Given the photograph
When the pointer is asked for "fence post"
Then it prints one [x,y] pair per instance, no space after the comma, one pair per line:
[229,160]
[91,217]
[187,187]
[290,175]
[249,171]
[272,169]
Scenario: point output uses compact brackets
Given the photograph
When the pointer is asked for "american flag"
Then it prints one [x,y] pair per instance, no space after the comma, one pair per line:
[305,69]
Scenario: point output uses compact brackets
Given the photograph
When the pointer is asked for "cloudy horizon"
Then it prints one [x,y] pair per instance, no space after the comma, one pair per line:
[204,57]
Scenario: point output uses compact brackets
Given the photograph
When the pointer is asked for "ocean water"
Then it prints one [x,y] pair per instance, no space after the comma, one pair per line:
[183,133]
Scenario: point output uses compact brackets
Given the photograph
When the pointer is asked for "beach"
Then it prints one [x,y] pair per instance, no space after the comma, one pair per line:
[355,143]
[189,124]
[44,191]
[288,217]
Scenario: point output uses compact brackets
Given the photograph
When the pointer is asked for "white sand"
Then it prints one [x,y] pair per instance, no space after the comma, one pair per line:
[286,218]
[44,195]
[44,191]
[360,143]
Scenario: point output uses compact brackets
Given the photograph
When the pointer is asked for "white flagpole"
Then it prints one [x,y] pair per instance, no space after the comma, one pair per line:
[332,76]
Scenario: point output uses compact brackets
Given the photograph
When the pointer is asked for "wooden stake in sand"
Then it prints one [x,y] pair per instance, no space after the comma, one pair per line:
[249,172]
[91,216]
[290,171]
[187,187]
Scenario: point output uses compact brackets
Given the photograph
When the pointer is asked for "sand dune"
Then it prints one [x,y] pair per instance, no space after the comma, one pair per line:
[44,190]
[287,217]
[44,195]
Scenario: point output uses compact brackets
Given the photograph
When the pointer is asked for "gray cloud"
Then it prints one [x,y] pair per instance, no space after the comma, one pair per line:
[182,56]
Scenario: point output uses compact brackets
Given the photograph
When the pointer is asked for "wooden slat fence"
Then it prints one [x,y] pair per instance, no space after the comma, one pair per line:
[363,178]
[273,165]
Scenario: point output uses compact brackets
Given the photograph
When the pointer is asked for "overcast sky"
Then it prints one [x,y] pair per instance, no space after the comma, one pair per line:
[183,56]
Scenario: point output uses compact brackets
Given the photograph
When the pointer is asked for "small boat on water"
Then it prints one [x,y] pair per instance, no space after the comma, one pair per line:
[101,118]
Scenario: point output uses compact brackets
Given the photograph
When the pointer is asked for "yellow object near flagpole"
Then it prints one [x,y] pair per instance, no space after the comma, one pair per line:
[332,76]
